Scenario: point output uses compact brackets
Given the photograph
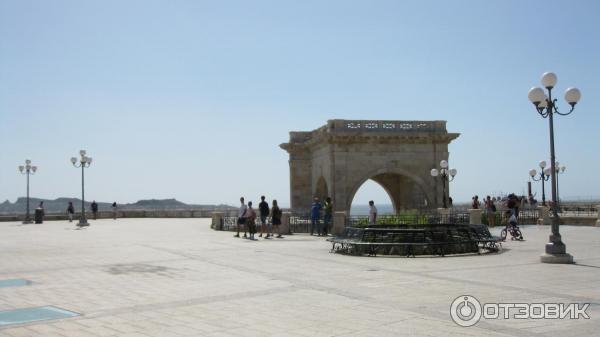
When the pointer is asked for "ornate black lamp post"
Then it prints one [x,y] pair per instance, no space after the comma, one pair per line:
[545,105]
[27,170]
[84,162]
[544,176]
[559,170]
[446,175]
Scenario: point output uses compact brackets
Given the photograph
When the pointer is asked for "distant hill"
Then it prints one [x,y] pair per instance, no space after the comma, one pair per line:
[59,205]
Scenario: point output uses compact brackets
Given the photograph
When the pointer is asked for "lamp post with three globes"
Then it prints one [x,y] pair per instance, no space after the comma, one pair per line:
[546,106]
[544,176]
[446,175]
[27,170]
[84,162]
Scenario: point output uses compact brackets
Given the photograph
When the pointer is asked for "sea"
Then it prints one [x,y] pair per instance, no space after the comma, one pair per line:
[364,209]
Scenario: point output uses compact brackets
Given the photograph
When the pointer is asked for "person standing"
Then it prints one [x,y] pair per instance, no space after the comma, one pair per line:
[114,210]
[95,209]
[241,221]
[511,204]
[70,211]
[276,218]
[263,208]
[372,213]
[475,203]
[328,214]
[251,220]
[315,215]
[490,210]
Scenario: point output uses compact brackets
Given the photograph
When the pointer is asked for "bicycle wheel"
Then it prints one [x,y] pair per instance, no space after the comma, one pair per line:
[518,234]
[503,234]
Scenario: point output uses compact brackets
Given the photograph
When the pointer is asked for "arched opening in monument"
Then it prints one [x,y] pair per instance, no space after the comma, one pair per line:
[322,191]
[397,190]
[371,190]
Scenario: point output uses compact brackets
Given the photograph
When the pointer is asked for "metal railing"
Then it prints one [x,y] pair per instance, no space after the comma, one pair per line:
[420,218]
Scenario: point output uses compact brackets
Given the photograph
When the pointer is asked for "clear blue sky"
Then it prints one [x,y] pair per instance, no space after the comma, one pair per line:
[190,99]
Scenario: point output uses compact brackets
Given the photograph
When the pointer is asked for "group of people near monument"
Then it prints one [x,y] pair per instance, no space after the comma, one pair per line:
[247,219]
[321,218]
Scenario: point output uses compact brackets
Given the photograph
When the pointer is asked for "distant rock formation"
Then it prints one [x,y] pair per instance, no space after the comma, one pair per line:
[59,205]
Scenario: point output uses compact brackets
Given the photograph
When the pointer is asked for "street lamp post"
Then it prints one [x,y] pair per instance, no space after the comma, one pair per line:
[544,176]
[84,162]
[27,170]
[446,175]
[559,170]
[545,105]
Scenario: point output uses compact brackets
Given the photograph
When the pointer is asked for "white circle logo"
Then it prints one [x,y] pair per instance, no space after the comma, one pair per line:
[465,310]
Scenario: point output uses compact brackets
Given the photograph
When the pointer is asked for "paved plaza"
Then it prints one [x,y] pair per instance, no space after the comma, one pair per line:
[177,277]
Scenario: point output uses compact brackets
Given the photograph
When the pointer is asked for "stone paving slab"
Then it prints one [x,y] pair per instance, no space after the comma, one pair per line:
[177,277]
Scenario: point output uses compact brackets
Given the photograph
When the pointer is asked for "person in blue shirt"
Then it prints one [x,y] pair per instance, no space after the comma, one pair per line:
[315,215]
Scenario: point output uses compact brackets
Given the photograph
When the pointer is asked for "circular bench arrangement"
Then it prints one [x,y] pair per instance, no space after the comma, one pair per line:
[412,240]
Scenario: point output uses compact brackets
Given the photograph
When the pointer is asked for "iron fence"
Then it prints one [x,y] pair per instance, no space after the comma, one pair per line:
[418,218]
[299,223]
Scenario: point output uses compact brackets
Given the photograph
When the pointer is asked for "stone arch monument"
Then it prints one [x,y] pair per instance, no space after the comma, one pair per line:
[337,158]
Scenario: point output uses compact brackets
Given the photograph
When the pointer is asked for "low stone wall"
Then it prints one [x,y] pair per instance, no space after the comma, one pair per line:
[578,220]
[120,214]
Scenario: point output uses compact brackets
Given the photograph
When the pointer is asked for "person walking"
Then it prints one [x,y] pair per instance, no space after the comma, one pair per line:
[315,215]
[114,210]
[251,220]
[241,220]
[276,218]
[263,208]
[95,209]
[328,214]
[372,213]
[70,211]
[490,210]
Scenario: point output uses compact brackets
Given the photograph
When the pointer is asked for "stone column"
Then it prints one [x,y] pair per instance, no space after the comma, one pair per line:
[217,221]
[285,223]
[475,216]
[444,214]
[544,215]
[598,210]
[339,223]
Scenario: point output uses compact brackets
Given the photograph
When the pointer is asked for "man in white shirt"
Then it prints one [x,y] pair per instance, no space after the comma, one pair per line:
[241,220]
[372,213]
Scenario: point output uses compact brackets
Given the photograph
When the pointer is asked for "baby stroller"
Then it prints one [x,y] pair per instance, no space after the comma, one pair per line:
[512,228]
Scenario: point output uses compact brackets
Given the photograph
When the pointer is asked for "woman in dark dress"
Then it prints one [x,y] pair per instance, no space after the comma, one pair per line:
[276,218]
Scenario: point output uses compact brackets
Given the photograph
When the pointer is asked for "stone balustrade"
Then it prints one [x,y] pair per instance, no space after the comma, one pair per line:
[385,126]
[207,213]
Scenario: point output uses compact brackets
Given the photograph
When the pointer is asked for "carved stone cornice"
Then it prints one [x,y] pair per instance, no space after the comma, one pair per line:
[344,132]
